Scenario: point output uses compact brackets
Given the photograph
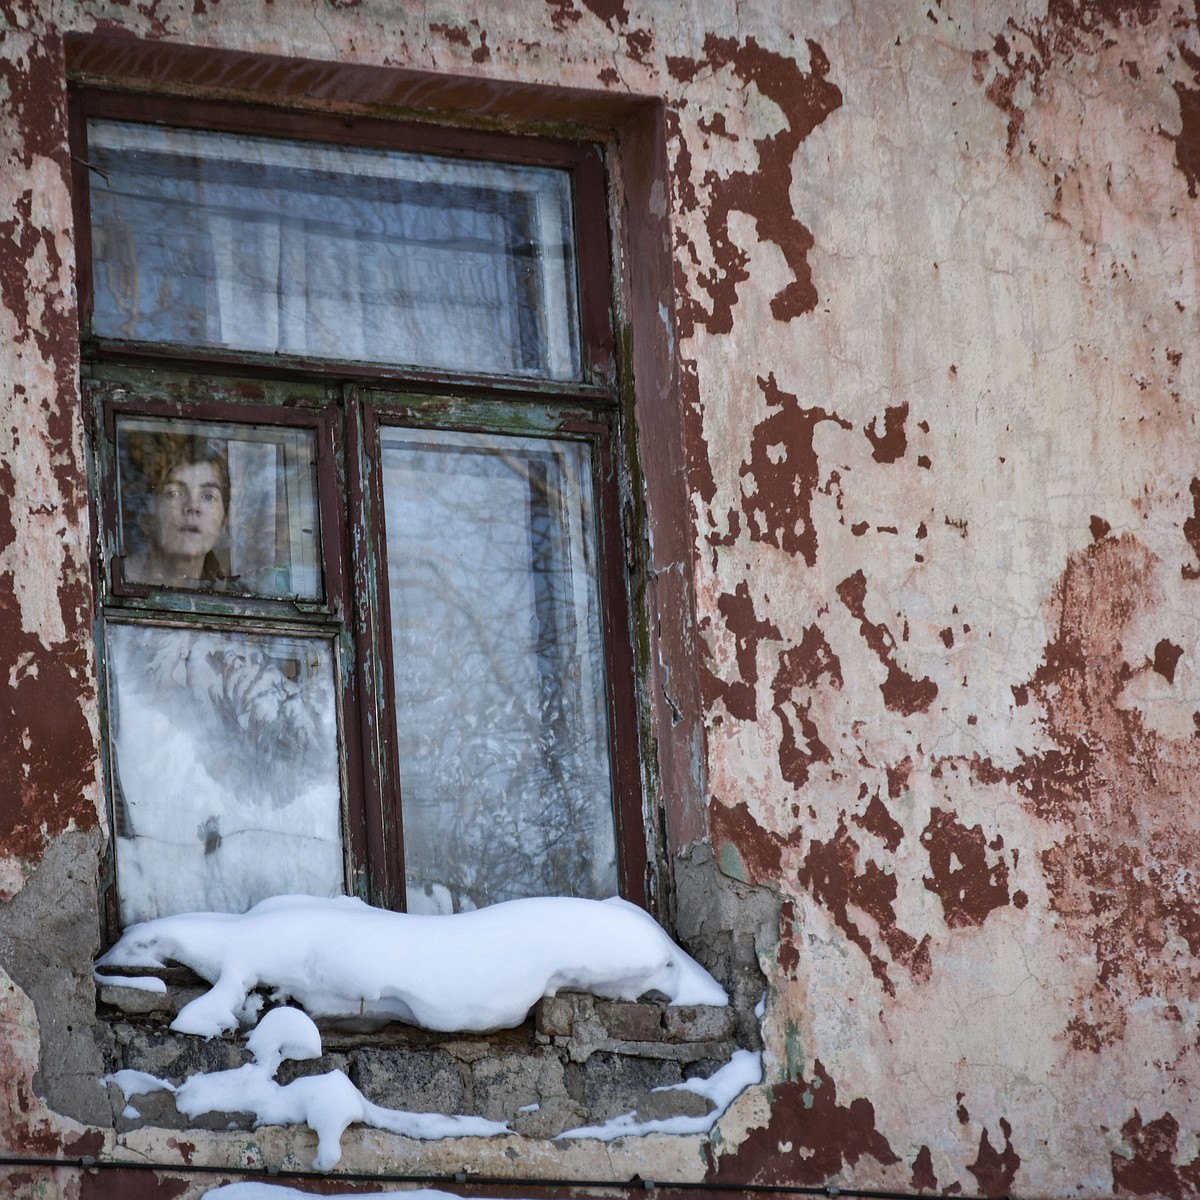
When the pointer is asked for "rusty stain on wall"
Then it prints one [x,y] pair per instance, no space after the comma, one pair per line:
[1027,49]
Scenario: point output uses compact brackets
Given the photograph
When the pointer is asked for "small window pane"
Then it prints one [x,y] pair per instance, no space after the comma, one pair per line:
[218,507]
[225,769]
[299,248]
[499,669]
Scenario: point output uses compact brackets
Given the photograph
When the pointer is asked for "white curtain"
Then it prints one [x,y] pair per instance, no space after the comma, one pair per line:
[309,249]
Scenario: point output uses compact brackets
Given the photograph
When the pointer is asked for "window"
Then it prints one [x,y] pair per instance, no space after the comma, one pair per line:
[356,443]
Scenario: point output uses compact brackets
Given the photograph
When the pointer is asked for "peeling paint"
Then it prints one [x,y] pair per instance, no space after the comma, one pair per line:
[969,886]
[782,474]
[902,692]
[839,882]
[1150,1165]
[922,322]
[805,99]
[810,1137]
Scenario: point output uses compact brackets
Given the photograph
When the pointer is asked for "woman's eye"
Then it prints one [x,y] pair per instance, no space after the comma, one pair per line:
[172,493]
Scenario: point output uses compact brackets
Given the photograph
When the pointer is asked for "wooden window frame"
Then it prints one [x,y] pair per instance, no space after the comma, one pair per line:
[590,407]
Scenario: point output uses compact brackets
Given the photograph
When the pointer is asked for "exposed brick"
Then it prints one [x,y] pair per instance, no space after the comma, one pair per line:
[701,1023]
[631,1022]
[555,1016]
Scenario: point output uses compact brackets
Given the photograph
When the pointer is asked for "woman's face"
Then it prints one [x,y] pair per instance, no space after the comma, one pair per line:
[187,513]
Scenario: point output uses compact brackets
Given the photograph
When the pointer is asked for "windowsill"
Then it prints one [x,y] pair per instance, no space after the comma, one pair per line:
[577,1060]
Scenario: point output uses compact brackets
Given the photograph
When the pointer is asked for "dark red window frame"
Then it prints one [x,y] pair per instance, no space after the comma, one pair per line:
[590,408]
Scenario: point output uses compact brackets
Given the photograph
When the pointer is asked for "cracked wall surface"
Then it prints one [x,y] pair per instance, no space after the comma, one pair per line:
[933,352]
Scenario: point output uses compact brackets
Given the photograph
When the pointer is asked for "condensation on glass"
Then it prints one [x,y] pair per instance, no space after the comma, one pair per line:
[499,668]
[301,248]
[218,506]
[224,761]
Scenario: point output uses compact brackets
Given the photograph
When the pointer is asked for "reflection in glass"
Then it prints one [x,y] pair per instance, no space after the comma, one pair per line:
[288,247]
[217,506]
[225,769]
[499,673]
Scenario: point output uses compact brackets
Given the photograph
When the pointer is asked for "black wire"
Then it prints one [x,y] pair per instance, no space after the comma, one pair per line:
[461,1180]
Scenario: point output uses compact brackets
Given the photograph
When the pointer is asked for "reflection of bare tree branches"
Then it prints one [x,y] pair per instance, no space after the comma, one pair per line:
[271,712]
[504,768]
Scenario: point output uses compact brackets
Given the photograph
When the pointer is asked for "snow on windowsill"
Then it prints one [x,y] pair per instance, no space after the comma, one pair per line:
[470,972]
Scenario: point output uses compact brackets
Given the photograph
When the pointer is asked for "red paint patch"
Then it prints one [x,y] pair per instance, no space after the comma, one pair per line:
[1153,1169]
[881,823]
[1100,528]
[456,35]
[130,1185]
[832,875]
[891,444]
[563,13]
[1166,657]
[972,889]
[898,776]
[1187,140]
[901,692]
[995,1170]
[824,1138]
[609,11]
[760,850]
[1191,531]
[800,667]
[788,954]
[784,473]
[639,43]
[923,1178]
[805,99]
[738,610]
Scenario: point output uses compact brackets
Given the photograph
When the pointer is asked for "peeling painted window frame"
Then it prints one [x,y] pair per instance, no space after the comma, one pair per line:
[121,376]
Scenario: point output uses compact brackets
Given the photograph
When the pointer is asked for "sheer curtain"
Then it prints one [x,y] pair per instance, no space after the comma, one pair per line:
[301,248]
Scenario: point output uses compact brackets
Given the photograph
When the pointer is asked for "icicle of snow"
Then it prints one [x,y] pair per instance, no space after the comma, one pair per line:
[472,971]
[327,1103]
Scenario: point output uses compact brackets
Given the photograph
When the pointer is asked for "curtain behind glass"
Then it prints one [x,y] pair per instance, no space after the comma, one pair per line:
[300,248]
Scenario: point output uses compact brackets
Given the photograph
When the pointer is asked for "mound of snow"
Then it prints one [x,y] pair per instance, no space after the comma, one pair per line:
[472,971]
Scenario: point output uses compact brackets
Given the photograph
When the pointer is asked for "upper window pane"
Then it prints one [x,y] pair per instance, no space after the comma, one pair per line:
[287,247]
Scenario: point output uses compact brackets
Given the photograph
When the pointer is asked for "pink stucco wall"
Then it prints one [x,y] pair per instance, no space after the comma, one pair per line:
[935,271]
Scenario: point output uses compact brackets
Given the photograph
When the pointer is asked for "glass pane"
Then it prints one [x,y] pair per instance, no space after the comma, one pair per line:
[291,247]
[499,669]
[219,507]
[225,769]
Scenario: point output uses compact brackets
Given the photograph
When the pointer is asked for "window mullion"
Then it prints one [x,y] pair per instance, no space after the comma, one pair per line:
[379,870]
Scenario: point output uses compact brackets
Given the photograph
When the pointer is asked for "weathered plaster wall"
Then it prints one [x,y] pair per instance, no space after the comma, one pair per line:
[936,289]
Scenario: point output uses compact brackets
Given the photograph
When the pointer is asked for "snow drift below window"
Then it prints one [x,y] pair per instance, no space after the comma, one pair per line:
[471,971]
